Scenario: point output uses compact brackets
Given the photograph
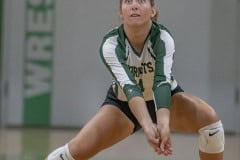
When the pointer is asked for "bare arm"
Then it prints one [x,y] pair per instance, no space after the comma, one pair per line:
[163,116]
[139,109]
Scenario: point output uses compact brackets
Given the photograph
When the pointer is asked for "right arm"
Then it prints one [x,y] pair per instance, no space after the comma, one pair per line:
[139,109]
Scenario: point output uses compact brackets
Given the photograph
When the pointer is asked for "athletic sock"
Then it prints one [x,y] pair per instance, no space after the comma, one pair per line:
[61,153]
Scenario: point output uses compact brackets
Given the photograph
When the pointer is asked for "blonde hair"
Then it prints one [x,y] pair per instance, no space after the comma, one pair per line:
[152,2]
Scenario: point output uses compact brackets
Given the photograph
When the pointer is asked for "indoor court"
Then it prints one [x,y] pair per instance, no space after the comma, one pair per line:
[52,78]
[34,144]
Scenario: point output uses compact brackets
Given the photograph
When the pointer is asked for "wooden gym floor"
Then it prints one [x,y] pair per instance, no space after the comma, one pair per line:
[34,144]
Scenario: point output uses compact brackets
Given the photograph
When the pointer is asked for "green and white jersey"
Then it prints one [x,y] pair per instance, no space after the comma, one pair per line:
[146,74]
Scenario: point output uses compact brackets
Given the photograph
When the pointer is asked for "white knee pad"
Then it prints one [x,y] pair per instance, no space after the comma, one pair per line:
[211,138]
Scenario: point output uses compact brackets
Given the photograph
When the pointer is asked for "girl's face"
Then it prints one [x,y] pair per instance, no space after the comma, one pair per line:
[136,12]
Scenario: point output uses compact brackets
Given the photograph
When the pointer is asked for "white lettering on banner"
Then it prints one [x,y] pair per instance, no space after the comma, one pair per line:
[39,20]
[37,80]
[36,48]
[39,47]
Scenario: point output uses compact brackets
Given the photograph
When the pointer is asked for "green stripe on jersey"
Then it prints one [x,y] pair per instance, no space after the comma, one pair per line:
[161,87]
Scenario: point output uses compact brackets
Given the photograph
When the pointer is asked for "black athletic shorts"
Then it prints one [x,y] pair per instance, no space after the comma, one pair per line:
[123,106]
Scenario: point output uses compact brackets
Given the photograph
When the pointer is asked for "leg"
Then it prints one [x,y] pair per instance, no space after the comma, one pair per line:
[190,114]
[107,127]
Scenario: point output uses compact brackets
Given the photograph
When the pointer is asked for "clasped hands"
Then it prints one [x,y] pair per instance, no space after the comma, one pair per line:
[158,137]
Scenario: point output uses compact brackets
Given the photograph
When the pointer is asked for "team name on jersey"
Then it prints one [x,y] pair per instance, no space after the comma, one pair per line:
[143,69]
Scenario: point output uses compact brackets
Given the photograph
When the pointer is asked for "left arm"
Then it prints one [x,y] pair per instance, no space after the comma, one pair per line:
[162,89]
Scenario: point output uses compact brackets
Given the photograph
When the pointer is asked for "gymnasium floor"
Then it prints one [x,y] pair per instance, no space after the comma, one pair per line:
[34,144]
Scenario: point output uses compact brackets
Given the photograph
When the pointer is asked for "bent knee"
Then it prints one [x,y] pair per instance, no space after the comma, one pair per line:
[205,113]
[201,107]
[211,138]
[187,108]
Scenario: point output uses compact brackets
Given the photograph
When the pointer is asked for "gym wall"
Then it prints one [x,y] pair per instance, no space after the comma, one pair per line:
[55,75]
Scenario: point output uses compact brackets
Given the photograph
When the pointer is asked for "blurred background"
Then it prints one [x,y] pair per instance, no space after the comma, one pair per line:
[53,80]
